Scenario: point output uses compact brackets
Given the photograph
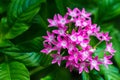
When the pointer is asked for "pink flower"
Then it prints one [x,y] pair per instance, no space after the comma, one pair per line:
[62,20]
[71,46]
[106,60]
[61,31]
[71,65]
[62,43]
[78,22]
[50,38]
[57,58]
[110,49]
[47,49]
[74,55]
[73,13]
[53,22]
[81,36]
[72,37]
[84,43]
[83,66]
[85,54]
[94,63]
[103,36]
[84,14]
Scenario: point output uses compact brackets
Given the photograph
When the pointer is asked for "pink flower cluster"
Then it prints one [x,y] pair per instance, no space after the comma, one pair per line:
[70,41]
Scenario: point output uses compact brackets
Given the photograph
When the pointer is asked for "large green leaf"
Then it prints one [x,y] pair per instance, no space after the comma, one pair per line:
[107,10]
[13,71]
[3,30]
[16,30]
[28,58]
[112,73]
[20,13]
[116,40]
[23,10]
[85,76]
[95,75]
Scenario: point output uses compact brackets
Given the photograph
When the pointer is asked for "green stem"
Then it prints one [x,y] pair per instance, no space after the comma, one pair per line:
[97,44]
[36,70]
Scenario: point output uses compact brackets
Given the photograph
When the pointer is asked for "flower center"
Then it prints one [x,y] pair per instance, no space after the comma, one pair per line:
[61,31]
[64,43]
[78,23]
[51,38]
[63,21]
[80,38]
[94,63]
[73,14]
[73,38]
[54,22]
[58,58]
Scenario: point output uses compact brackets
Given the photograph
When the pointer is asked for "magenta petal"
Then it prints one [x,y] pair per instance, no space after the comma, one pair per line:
[80,70]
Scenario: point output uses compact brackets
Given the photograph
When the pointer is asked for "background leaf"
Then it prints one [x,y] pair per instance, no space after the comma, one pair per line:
[13,71]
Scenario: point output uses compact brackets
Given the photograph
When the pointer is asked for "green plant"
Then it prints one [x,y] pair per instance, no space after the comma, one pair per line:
[24,22]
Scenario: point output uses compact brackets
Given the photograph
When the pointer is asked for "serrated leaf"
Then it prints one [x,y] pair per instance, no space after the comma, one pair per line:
[13,71]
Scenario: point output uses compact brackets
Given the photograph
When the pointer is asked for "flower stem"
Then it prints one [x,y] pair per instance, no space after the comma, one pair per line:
[97,44]
[36,70]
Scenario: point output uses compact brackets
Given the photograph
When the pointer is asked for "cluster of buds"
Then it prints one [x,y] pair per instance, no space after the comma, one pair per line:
[70,40]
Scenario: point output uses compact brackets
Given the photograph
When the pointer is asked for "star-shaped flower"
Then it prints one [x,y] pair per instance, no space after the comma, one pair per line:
[57,58]
[73,13]
[110,49]
[106,60]
[83,66]
[94,63]
[53,22]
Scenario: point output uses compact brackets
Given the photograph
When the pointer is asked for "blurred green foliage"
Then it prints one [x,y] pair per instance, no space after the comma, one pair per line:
[24,22]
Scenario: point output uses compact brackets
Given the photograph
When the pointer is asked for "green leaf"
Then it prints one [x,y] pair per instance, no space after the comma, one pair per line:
[13,71]
[58,73]
[3,30]
[85,76]
[23,10]
[34,45]
[107,10]
[60,6]
[95,75]
[112,73]
[20,13]
[3,5]
[5,43]
[16,30]
[46,78]
[28,58]
[116,40]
